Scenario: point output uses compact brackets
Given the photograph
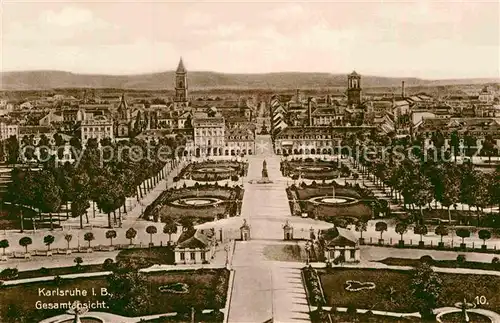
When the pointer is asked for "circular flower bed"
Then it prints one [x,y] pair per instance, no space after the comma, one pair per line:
[330,200]
[196,201]
[176,288]
[356,286]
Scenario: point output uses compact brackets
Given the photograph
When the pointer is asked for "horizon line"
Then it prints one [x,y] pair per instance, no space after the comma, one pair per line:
[262,73]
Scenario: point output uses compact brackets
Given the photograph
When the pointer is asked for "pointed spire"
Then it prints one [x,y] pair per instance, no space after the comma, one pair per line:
[123,103]
[180,67]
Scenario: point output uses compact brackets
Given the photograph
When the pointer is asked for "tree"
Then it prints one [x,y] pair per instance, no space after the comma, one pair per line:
[361,226]
[111,234]
[4,244]
[422,192]
[455,144]
[68,237]
[48,240]
[421,230]
[49,195]
[79,207]
[441,230]
[12,150]
[131,234]
[105,197]
[484,235]
[426,287]
[25,242]
[128,292]
[170,228]
[89,237]
[451,188]
[186,223]
[488,148]
[463,233]
[470,144]
[381,227]
[78,261]
[151,230]
[401,228]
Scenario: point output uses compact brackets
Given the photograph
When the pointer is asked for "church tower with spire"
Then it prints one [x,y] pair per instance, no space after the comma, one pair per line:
[181,86]
[123,119]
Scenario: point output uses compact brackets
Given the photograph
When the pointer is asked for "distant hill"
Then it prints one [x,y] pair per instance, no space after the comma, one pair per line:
[43,80]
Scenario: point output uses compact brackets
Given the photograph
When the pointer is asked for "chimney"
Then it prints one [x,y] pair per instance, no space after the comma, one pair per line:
[297,96]
[309,112]
[403,89]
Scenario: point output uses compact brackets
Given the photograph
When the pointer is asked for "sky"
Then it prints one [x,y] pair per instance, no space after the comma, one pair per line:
[425,39]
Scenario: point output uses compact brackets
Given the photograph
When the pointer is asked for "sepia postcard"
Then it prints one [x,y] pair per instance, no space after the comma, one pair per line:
[249,162]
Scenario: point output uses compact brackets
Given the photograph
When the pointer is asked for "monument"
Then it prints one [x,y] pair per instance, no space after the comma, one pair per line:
[265,176]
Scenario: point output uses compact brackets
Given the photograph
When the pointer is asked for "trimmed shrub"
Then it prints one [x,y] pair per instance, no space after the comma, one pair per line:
[461,259]
[427,259]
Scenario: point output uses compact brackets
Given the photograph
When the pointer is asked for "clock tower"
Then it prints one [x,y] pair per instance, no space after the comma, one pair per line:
[181,83]
[354,89]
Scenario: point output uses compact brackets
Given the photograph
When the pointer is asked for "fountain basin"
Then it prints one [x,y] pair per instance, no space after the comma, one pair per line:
[196,201]
[84,320]
[331,200]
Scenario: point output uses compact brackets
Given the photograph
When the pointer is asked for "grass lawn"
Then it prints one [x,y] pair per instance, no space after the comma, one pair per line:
[284,253]
[151,256]
[455,287]
[145,257]
[56,271]
[440,263]
[458,318]
[372,318]
[202,287]
[202,213]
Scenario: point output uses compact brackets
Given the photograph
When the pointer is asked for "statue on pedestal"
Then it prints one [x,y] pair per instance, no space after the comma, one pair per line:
[265,176]
[264,170]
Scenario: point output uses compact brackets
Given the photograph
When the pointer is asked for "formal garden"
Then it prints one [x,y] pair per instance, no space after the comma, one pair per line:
[335,203]
[102,180]
[212,171]
[200,203]
[128,292]
[419,290]
[313,169]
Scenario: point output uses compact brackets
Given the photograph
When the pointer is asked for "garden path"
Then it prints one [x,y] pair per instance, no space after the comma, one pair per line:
[265,289]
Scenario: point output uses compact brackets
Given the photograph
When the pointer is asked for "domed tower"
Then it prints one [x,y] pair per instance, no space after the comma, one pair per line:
[353,89]
[181,86]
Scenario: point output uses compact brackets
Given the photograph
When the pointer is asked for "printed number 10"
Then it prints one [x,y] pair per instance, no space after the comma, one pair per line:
[481,300]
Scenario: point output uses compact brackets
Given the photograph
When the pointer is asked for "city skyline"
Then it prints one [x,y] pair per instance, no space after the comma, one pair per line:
[414,39]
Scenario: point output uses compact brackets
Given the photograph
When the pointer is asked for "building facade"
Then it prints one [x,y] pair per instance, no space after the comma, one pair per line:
[195,247]
[209,135]
[339,245]
[314,140]
[97,128]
